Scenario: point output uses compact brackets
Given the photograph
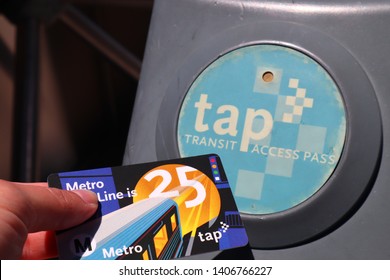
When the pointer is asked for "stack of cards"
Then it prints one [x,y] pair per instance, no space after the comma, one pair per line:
[158,210]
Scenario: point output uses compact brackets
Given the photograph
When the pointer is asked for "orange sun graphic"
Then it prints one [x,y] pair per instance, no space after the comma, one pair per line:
[194,192]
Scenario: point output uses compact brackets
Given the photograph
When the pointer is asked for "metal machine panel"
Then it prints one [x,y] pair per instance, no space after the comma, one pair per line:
[301,83]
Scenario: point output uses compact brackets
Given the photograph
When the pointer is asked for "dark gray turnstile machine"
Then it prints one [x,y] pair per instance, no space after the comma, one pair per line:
[348,218]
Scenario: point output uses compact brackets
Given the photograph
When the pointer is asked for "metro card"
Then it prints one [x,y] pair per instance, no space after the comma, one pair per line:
[157,210]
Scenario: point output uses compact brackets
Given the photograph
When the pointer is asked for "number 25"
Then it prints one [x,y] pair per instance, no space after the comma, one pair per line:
[184,182]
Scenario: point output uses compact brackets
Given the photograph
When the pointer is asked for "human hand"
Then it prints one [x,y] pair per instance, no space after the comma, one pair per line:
[31,212]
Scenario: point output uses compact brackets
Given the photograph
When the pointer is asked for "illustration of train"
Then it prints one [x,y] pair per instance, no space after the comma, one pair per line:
[147,230]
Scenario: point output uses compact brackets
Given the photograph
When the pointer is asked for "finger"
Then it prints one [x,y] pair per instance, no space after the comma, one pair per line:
[40,246]
[41,208]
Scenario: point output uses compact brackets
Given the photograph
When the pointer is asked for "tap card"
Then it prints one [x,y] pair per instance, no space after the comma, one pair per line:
[157,210]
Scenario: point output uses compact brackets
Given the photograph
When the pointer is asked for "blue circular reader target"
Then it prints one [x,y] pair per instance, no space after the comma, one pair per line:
[275,117]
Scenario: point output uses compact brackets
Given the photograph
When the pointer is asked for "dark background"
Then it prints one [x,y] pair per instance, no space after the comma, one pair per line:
[85,100]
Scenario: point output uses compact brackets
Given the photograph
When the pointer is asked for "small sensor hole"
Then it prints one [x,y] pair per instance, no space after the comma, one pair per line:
[268,77]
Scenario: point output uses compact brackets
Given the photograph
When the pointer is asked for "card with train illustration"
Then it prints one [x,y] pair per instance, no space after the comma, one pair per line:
[157,210]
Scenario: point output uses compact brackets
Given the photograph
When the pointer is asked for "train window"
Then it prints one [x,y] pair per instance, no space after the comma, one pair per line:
[173,222]
[145,255]
[160,240]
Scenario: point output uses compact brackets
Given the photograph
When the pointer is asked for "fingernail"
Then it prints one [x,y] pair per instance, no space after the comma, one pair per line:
[88,196]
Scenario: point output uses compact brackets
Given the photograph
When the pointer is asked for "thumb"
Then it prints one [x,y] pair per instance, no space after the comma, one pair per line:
[42,208]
